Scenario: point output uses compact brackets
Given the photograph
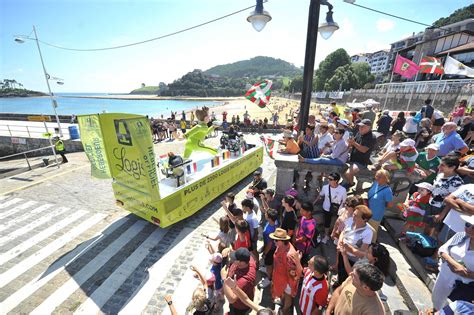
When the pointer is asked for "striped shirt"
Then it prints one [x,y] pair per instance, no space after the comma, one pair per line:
[314,293]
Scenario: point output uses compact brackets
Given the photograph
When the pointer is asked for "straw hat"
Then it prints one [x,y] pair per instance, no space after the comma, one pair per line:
[280,235]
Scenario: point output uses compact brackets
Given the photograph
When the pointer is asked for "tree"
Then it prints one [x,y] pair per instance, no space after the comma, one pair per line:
[351,76]
[362,72]
[344,77]
[296,85]
[456,16]
[328,66]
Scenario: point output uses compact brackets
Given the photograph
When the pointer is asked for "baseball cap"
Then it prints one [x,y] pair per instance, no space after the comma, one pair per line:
[256,173]
[241,254]
[433,146]
[366,122]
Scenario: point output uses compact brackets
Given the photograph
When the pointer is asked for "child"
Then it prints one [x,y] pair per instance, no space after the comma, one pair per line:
[406,157]
[214,280]
[269,246]
[200,303]
[416,207]
[224,236]
[305,232]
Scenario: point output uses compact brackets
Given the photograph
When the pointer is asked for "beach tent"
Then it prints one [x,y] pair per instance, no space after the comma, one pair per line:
[370,102]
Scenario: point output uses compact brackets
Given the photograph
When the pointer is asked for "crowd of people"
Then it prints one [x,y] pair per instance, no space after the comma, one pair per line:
[264,237]
[434,150]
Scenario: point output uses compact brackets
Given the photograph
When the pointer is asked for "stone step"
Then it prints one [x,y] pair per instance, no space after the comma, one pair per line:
[429,278]
[413,290]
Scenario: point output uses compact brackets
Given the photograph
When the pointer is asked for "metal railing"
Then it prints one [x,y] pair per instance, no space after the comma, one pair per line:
[435,86]
[30,131]
[10,164]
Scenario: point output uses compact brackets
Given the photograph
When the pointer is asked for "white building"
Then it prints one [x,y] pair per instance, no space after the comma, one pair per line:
[378,60]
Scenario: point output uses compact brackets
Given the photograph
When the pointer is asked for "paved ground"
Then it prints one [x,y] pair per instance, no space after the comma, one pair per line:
[66,248]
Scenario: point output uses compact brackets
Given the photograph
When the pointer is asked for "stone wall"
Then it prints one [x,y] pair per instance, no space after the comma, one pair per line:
[12,145]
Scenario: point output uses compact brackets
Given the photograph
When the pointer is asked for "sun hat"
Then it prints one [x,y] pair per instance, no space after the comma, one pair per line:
[433,146]
[407,143]
[366,122]
[466,217]
[343,122]
[280,235]
[425,185]
[216,258]
[241,254]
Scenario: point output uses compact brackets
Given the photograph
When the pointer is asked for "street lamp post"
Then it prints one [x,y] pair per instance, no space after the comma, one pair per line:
[326,30]
[46,76]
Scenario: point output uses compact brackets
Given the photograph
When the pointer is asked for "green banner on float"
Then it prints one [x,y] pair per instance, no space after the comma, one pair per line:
[93,143]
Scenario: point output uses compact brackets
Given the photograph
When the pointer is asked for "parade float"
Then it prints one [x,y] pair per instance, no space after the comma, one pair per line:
[165,188]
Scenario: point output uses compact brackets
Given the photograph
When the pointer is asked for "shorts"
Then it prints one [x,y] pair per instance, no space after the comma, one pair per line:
[431,211]
[360,166]
[269,257]
[438,122]
[327,216]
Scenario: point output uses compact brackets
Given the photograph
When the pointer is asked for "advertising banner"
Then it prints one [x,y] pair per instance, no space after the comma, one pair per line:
[93,143]
[129,148]
[193,196]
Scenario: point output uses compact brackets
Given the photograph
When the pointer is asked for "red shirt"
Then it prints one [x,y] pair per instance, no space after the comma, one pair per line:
[246,243]
[282,265]
[245,281]
[314,293]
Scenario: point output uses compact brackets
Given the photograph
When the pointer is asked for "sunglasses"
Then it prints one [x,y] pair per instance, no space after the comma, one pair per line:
[336,132]
[331,178]
[469,225]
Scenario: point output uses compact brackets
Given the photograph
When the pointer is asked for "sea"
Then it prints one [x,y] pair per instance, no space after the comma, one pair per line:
[70,103]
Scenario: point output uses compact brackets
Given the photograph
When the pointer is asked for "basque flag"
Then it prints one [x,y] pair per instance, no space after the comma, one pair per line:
[431,65]
[260,93]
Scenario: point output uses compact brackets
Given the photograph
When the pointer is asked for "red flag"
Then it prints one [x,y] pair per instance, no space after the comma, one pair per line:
[269,145]
[431,65]
[405,67]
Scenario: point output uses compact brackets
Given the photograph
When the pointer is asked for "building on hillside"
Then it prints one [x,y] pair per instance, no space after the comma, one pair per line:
[455,38]
[378,62]
[361,57]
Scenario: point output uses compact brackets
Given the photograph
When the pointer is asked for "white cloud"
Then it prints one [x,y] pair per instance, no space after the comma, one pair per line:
[385,25]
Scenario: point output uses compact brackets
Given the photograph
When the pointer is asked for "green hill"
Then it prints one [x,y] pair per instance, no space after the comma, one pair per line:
[256,67]
[456,16]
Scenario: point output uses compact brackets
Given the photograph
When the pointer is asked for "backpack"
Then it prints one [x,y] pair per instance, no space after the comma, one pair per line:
[421,244]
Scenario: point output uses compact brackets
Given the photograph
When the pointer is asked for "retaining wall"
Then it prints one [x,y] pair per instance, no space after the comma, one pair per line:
[12,145]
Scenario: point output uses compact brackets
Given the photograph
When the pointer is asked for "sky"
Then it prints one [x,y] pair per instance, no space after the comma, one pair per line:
[88,24]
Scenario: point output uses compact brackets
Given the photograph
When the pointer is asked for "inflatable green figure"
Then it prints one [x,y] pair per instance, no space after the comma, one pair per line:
[198,133]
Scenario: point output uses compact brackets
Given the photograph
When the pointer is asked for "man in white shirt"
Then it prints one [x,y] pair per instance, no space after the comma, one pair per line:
[461,202]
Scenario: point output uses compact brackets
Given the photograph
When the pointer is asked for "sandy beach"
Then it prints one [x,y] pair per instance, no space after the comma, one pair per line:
[232,105]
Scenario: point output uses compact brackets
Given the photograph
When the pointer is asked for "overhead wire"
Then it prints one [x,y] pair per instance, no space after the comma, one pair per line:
[209,22]
[151,39]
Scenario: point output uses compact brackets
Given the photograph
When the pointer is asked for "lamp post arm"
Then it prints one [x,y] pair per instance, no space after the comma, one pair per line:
[46,76]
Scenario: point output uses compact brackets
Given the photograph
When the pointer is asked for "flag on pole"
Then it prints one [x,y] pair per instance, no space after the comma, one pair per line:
[260,93]
[269,146]
[452,66]
[431,65]
[405,67]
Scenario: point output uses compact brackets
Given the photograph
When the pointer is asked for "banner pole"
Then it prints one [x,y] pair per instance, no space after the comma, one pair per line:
[388,86]
[437,86]
[414,84]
